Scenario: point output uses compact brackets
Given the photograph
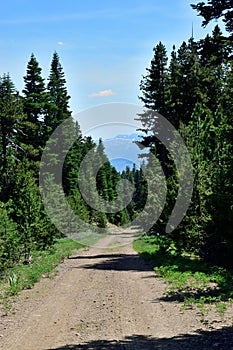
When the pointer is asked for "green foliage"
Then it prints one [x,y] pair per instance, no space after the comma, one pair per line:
[35,108]
[9,240]
[26,123]
[197,89]
[190,279]
[25,276]
[153,85]
[59,98]
[215,9]
[33,226]
[193,90]
[11,116]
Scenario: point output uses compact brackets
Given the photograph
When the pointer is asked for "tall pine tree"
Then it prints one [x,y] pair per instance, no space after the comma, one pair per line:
[11,117]
[35,103]
[59,98]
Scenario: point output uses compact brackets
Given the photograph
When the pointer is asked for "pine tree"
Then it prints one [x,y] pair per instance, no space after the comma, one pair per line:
[102,180]
[220,202]
[213,48]
[72,162]
[175,105]
[11,117]
[215,9]
[35,103]
[140,194]
[213,57]
[208,222]
[189,78]
[35,230]
[153,85]
[59,98]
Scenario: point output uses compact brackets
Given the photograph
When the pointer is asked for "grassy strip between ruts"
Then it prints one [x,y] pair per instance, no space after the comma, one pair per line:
[43,265]
[190,280]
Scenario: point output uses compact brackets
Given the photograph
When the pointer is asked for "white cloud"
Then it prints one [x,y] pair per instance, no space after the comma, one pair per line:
[60,43]
[102,93]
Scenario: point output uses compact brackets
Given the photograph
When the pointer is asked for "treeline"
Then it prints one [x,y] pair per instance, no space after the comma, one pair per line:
[27,120]
[193,90]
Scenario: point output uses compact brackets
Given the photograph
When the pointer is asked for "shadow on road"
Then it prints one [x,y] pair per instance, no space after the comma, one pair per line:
[118,262]
[98,256]
[204,340]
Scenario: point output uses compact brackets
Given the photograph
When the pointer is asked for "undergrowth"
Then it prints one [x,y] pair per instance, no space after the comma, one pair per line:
[190,280]
[43,265]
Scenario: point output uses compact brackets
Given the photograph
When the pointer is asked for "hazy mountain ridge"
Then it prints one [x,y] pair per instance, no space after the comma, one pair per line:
[122,150]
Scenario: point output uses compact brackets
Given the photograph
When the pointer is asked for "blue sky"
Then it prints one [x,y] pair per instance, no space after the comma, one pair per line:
[104,46]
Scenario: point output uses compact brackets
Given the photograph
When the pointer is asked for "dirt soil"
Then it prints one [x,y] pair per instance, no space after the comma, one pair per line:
[108,297]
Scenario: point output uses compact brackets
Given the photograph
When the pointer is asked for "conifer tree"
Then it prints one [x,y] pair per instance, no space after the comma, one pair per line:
[153,85]
[154,97]
[35,103]
[189,78]
[174,97]
[213,57]
[9,239]
[35,230]
[11,117]
[59,98]
[215,9]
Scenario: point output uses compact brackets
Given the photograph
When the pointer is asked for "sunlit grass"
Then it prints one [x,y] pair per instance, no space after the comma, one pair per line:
[190,280]
[43,265]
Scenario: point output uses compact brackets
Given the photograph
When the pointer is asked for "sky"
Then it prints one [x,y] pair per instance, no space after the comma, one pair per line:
[104,46]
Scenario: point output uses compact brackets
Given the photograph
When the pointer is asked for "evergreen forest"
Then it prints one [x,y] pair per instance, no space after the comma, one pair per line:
[192,88]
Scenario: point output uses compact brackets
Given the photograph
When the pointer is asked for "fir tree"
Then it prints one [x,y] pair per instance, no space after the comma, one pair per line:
[59,98]
[175,105]
[35,230]
[215,9]
[189,78]
[11,117]
[35,104]
[153,85]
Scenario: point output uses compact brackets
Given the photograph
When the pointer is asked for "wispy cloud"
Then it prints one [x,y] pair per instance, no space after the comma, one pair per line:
[60,43]
[102,93]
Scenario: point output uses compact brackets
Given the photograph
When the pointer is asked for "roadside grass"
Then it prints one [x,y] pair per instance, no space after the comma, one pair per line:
[44,263]
[190,280]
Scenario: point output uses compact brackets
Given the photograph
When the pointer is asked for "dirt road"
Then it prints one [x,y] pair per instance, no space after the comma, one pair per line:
[107,298]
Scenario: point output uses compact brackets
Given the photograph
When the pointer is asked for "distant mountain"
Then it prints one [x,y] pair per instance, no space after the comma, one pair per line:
[122,151]
[131,137]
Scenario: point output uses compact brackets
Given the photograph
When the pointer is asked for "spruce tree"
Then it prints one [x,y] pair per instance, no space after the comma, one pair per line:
[175,103]
[35,229]
[103,179]
[189,78]
[72,162]
[215,9]
[213,57]
[153,85]
[59,98]
[154,97]
[35,104]
[11,118]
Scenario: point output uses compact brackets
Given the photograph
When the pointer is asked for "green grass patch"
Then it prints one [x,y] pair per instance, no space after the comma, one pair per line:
[190,280]
[44,263]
